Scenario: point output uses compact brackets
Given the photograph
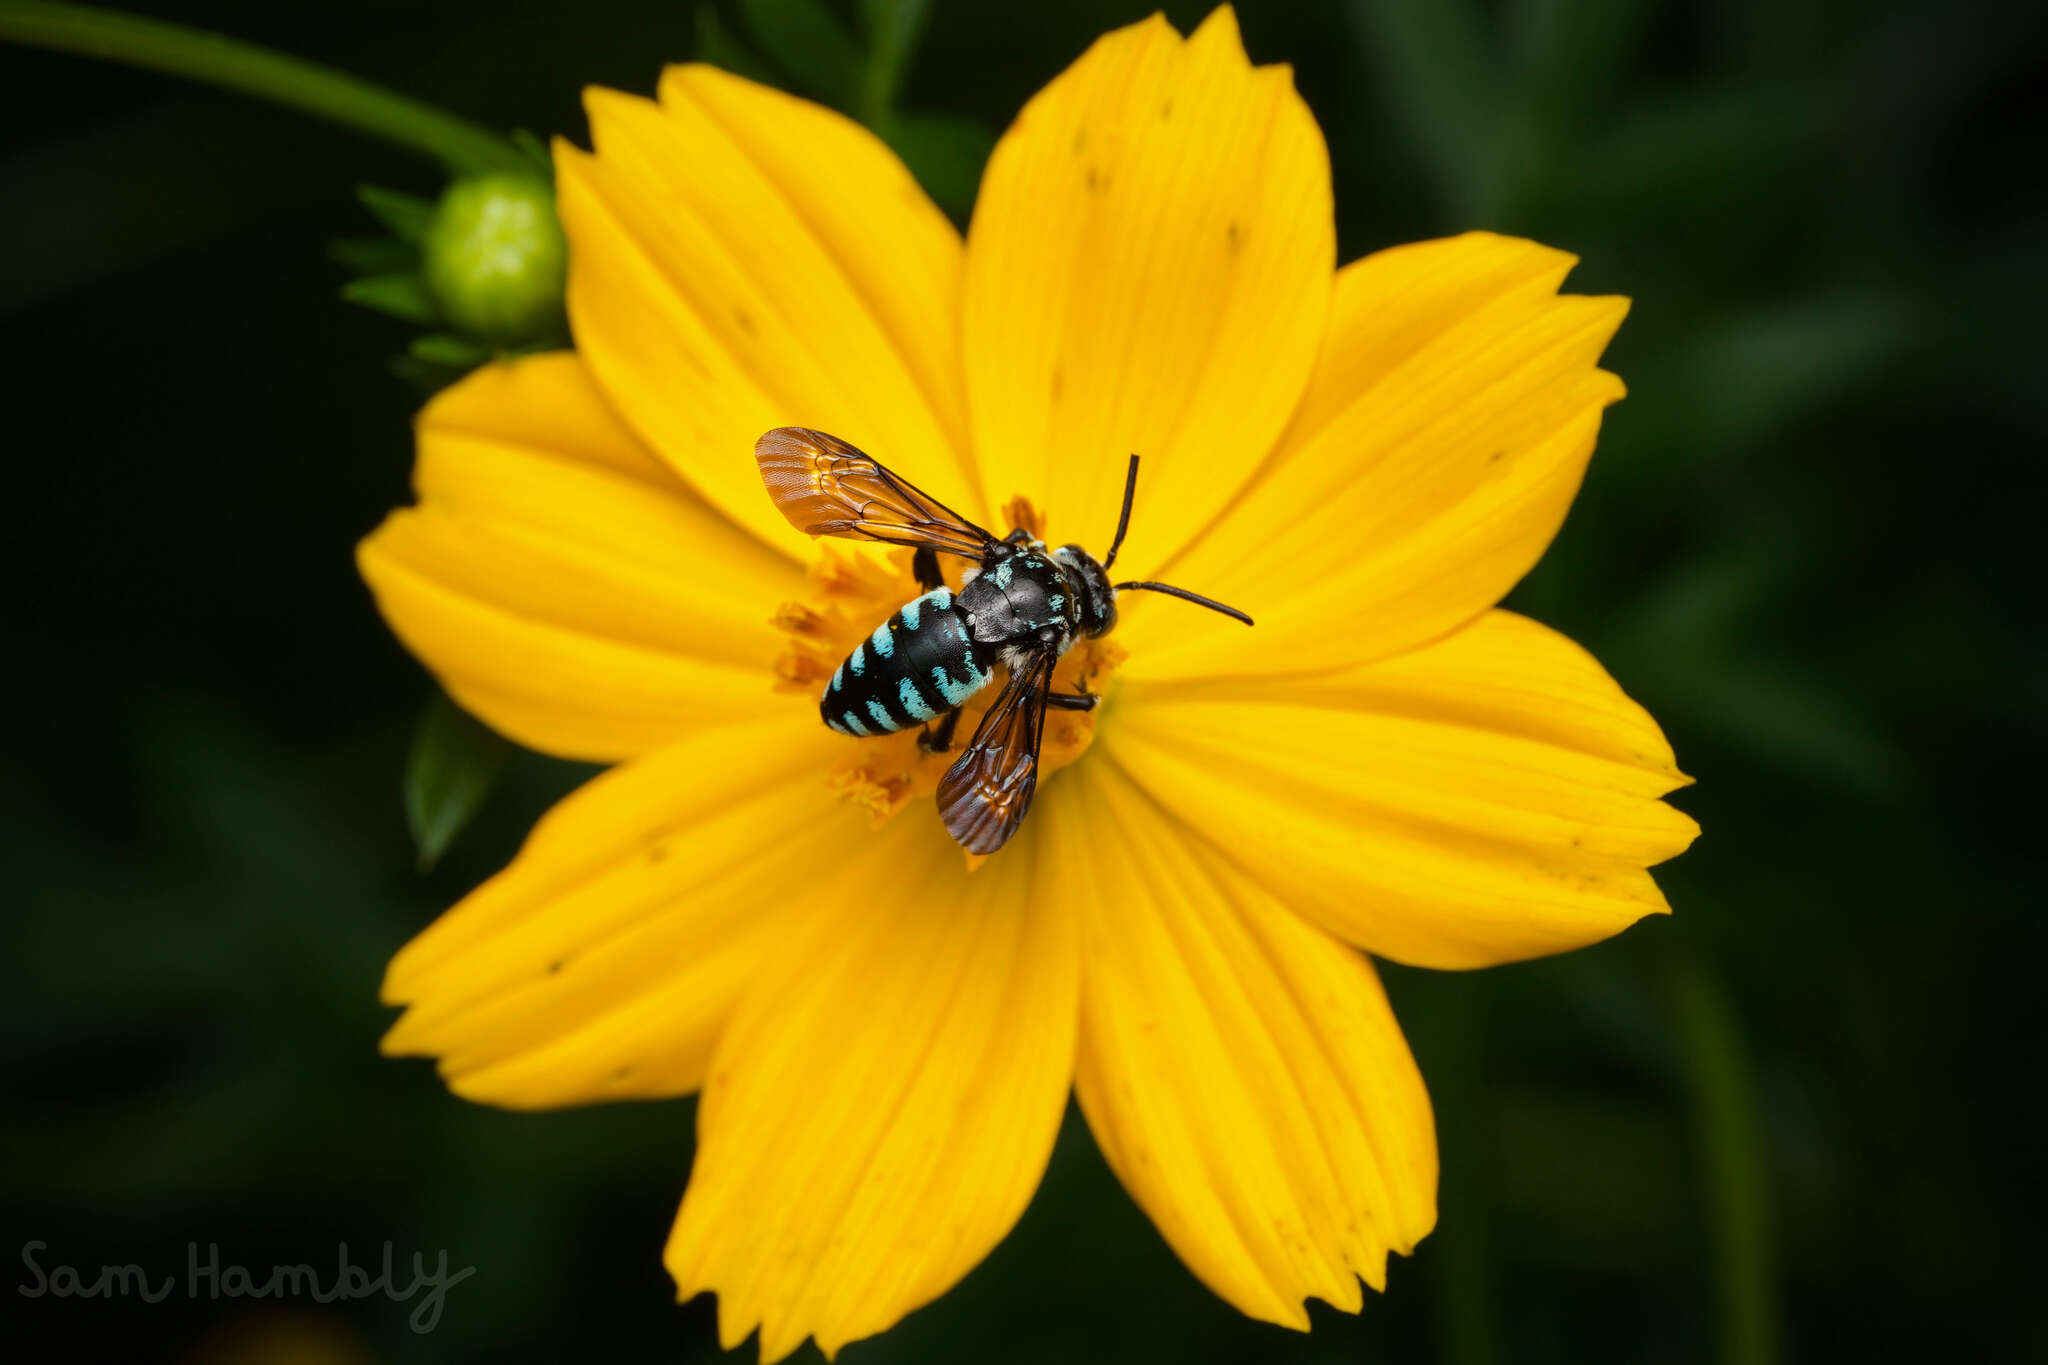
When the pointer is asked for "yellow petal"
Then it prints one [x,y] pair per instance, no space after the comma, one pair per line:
[602,963]
[563,585]
[1241,1068]
[1434,456]
[1148,270]
[1491,797]
[884,1101]
[741,260]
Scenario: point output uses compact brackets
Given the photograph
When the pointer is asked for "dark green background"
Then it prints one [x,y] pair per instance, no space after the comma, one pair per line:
[1802,1119]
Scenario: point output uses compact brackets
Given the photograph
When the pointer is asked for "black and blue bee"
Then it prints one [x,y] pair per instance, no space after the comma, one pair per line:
[1021,607]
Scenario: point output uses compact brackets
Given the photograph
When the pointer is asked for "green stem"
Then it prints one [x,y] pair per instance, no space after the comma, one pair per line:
[460,145]
[1448,1028]
[1738,1186]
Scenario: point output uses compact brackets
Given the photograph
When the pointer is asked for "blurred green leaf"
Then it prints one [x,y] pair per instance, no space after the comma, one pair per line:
[1435,63]
[439,348]
[893,29]
[1737,1197]
[454,763]
[1588,1179]
[1747,375]
[1568,53]
[945,153]
[896,21]
[1447,1026]
[1702,606]
[1988,343]
[1689,153]
[1798,722]
[1697,643]
[809,42]
[405,214]
[714,43]
[398,295]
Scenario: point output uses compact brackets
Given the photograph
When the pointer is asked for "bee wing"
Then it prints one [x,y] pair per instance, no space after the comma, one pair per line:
[827,488]
[983,796]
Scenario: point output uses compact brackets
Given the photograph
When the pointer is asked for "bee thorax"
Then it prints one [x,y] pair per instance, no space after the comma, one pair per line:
[1020,598]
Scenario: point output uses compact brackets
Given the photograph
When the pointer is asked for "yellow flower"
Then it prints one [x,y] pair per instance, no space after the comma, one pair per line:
[1365,459]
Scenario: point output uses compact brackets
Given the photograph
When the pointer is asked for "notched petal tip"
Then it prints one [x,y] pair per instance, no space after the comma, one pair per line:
[1242,1070]
[739,256]
[1149,268]
[681,76]
[395,1042]
[1220,34]
[1556,261]
[602,101]
[1492,797]
[1457,401]
[1219,26]
[815,1209]
[563,151]
[1685,832]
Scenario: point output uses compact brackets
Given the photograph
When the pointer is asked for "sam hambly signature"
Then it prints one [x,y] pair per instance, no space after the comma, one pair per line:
[207,1278]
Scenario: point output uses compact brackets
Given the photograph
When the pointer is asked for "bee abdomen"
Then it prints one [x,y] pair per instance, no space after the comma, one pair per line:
[918,665]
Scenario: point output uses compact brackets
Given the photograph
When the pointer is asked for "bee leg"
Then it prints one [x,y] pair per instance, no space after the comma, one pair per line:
[1072,701]
[924,565]
[937,739]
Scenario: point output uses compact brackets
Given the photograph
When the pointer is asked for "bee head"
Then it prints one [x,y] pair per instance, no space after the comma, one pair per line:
[1093,596]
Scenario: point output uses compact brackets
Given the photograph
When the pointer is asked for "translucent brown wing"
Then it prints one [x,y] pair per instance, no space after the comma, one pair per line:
[983,796]
[827,488]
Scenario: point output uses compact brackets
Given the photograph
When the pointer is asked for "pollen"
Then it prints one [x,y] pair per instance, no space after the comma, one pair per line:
[850,592]
[1019,512]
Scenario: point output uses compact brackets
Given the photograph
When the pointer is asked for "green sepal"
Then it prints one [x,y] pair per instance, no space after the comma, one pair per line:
[454,763]
[536,149]
[442,348]
[405,214]
[399,295]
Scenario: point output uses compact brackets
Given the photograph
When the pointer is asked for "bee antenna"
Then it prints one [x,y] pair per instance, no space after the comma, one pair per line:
[1123,522]
[1184,595]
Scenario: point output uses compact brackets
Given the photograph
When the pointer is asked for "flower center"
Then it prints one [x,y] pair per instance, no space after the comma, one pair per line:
[852,591]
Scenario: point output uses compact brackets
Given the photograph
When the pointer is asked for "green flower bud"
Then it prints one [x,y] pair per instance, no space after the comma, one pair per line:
[494,259]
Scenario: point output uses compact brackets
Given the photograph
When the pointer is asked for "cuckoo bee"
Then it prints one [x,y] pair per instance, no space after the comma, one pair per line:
[1022,606]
